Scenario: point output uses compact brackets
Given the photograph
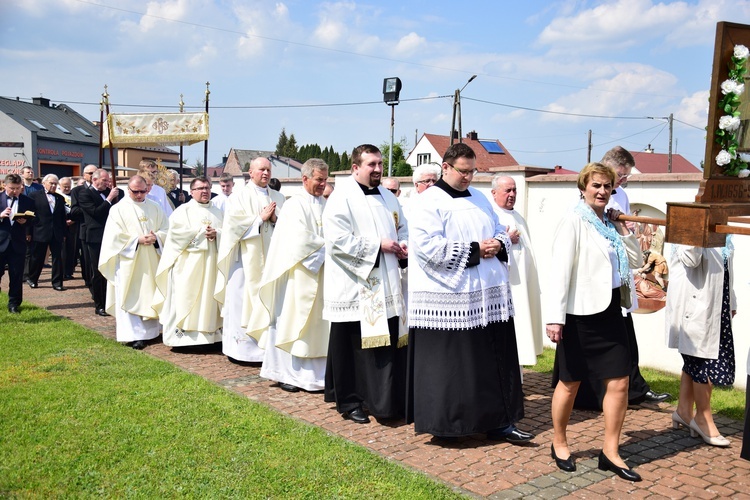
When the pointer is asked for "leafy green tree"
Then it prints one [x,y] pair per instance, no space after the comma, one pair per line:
[398,156]
[290,151]
[346,163]
[199,168]
[281,145]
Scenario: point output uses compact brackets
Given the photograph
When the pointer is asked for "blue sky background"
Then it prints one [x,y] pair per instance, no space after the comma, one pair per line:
[317,68]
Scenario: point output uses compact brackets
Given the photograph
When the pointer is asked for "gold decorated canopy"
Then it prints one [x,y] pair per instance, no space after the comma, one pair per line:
[165,129]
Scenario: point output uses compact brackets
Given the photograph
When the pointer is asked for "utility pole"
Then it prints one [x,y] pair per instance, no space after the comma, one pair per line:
[588,158]
[457,111]
[669,164]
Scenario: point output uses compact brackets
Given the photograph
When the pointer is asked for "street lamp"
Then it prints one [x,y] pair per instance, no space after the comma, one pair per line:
[457,111]
[391,90]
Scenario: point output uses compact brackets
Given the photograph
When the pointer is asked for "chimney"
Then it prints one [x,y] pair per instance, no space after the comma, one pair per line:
[473,136]
[40,101]
[455,135]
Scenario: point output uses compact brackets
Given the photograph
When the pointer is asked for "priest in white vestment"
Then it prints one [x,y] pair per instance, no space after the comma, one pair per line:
[149,170]
[187,273]
[463,375]
[133,237]
[522,273]
[250,215]
[366,242]
[294,333]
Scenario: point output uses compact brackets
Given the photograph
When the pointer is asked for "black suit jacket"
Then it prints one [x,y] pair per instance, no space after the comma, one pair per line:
[95,211]
[49,226]
[76,213]
[15,235]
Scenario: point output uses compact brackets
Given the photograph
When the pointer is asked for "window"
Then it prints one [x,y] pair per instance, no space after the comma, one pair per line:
[37,124]
[423,158]
[83,131]
[63,129]
[492,147]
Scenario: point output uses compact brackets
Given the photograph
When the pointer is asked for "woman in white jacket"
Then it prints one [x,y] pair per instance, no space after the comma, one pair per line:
[593,256]
[700,306]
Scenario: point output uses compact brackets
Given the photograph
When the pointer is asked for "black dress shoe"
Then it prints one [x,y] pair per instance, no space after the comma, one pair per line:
[137,345]
[625,473]
[516,436]
[13,310]
[101,312]
[59,288]
[357,416]
[568,465]
[68,277]
[288,387]
[655,397]
[31,284]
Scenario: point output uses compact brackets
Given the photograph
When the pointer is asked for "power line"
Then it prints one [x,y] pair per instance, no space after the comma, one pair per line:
[561,112]
[586,147]
[258,106]
[360,54]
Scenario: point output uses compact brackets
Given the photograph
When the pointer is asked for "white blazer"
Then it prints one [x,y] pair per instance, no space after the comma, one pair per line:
[580,277]
[693,311]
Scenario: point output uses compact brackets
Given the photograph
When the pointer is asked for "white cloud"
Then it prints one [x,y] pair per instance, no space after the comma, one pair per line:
[334,19]
[693,109]
[635,90]
[620,24]
[409,44]
[156,12]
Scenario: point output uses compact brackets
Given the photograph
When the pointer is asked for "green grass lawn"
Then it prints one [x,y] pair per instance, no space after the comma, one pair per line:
[729,402]
[82,416]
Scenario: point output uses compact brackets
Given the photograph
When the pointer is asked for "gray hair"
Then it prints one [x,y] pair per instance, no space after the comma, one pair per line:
[98,173]
[500,177]
[50,177]
[313,164]
[426,168]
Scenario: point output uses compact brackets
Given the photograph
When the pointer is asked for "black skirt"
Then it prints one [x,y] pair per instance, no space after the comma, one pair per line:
[462,382]
[594,346]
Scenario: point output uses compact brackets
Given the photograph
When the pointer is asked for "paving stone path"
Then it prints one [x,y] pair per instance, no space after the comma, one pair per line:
[672,464]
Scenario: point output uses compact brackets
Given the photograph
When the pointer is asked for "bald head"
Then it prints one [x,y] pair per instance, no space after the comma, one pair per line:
[504,192]
[260,171]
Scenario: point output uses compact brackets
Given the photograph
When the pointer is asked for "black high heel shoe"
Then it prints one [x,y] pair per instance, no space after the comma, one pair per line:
[625,473]
[568,465]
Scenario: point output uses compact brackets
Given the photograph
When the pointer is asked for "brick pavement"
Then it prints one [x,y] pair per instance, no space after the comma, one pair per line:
[672,464]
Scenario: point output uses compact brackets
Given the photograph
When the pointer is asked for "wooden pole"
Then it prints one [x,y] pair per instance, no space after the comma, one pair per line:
[101,132]
[205,145]
[105,97]
[644,220]
[182,110]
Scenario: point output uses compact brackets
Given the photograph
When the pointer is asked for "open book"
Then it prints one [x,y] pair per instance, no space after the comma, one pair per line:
[28,214]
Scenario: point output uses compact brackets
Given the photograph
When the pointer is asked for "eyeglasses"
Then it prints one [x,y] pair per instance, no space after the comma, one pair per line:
[464,173]
[206,188]
[427,182]
[137,191]
[394,191]
[623,176]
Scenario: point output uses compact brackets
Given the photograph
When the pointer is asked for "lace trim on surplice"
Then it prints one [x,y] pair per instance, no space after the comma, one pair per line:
[460,311]
[448,265]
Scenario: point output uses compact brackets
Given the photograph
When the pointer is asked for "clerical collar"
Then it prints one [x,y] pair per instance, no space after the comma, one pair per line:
[368,190]
[453,193]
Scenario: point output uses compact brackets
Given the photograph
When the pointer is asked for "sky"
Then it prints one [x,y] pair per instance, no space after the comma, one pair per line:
[547,72]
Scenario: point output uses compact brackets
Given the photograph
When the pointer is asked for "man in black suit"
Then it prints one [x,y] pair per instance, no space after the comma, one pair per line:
[48,232]
[13,237]
[77,215]
[95,203]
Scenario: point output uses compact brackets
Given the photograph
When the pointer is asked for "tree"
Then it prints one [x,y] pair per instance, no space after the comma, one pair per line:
[199,168]
[282,144]
[398,157]
[290,151]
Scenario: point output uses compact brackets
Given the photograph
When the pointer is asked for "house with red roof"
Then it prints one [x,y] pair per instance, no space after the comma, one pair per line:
[491,154]
[649,162]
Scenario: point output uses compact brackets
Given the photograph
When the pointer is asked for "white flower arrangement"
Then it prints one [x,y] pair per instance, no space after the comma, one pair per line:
[732,163]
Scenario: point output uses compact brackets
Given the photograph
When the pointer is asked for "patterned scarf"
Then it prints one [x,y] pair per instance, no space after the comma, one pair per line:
[607,229]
